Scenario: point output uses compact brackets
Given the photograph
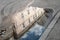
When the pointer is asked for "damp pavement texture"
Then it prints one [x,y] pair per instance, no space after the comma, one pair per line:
[8,7]
[34,33]
[55,33]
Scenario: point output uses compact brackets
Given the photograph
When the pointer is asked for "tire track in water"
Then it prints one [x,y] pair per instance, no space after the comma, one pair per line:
[2,10]
[11,4]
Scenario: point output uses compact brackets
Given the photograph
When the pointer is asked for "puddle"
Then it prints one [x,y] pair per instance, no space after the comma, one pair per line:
[34,33]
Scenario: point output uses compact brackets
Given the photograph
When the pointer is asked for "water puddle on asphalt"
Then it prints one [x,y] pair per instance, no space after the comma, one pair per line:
[34,33]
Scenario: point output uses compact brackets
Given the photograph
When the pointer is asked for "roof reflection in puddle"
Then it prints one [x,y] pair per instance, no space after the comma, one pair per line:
[34,33]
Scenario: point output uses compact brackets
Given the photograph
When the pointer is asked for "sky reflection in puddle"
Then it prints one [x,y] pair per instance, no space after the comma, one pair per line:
[34,33]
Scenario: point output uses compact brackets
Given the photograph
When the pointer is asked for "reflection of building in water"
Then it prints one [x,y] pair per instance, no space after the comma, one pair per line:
[23,19]
[21,22]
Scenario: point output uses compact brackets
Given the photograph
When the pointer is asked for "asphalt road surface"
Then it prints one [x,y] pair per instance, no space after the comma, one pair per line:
[8,7]
[11,6]
[55,32]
